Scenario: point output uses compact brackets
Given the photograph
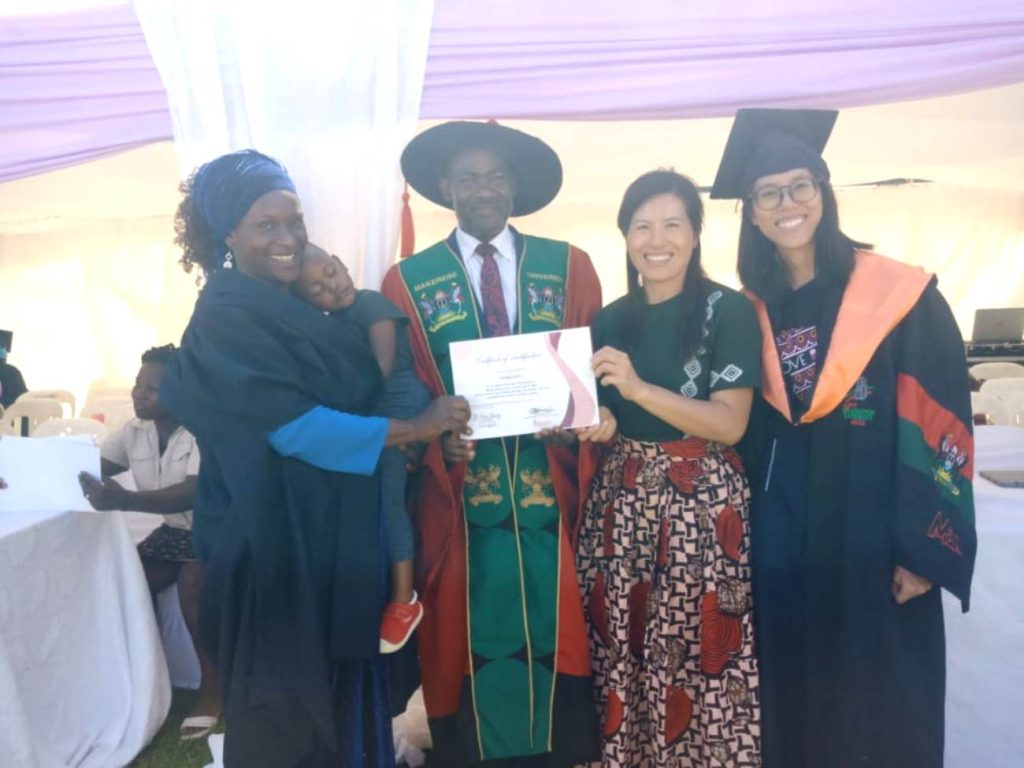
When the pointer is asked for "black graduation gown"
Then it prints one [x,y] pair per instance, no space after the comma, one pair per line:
[850,678]
[293,572]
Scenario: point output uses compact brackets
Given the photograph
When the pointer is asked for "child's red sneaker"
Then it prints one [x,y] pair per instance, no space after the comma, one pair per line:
[398,623]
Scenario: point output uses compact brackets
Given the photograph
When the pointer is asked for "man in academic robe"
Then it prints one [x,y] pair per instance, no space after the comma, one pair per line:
[503,647]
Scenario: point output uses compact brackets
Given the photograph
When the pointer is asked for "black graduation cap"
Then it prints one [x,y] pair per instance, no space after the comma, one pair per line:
[6,339]
[767,141]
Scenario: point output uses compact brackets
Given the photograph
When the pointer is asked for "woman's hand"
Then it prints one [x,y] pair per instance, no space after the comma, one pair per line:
[445,414]
[601,432]
[613,368]
[907,585]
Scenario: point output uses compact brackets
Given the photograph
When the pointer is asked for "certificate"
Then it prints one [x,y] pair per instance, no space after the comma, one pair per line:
[518,385]
[42,473]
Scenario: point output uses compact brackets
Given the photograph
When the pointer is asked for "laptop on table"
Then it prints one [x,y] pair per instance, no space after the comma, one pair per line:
[998,326]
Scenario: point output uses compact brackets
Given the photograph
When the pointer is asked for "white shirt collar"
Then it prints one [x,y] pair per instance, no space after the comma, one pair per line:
[148,425]
[504,242]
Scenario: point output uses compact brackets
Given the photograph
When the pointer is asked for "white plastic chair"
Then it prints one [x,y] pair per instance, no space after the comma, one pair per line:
[68,427]
[990,406]
[1017,412]
[60,395]
[1005,389]
[986,371]
[105,392]
[35,411]
[1014,403]
[112,411]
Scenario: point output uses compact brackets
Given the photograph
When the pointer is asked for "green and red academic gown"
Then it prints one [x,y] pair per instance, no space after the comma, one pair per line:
[875,473]
[503,646]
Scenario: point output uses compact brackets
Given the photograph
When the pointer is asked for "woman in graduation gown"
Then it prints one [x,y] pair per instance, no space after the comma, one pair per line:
[287,520]
[860,457]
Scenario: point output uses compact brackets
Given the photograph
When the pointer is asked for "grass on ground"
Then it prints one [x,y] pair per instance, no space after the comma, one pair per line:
[167,750]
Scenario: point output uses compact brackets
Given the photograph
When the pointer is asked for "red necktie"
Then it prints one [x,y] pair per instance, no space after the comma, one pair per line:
[491,296]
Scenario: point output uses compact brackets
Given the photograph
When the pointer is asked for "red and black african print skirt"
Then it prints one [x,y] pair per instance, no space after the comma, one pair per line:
[664,562]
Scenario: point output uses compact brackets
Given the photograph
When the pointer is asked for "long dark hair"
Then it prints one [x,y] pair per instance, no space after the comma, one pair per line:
[695,282]
[759,268]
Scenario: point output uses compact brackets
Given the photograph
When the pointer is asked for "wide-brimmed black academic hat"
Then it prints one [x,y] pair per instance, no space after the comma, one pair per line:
[537,169]
[767,141]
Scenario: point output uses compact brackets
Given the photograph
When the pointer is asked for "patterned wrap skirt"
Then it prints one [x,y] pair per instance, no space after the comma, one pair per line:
[664,561]
[168,544]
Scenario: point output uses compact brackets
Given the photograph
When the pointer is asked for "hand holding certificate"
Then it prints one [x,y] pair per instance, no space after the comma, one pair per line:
[523,384]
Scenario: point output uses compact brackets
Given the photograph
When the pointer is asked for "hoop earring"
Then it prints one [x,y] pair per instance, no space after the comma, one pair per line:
[228,258]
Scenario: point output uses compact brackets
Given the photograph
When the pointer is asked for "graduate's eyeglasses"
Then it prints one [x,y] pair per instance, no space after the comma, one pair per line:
[770,196]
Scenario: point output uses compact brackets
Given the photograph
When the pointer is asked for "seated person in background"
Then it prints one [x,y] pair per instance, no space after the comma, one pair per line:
[12,384]
[164,461]
[325,283]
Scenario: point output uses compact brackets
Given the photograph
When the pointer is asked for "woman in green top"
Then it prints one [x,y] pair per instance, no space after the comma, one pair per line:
[664,545]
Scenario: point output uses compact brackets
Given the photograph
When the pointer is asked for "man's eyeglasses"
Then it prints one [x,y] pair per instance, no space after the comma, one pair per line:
[769,197]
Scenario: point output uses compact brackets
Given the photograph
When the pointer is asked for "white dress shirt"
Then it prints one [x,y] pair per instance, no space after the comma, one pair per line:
[137,446]
[505,257]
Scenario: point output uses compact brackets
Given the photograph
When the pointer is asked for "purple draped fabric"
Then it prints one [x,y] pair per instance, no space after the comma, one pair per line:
[655,59]
[82,85]
[75,87]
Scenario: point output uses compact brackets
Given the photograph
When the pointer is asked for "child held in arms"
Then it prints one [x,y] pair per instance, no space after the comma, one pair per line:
[326,284]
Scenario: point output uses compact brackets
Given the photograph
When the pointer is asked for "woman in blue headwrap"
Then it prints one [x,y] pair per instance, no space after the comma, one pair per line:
[287,519]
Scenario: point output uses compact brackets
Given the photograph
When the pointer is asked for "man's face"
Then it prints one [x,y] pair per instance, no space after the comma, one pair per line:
[481,189]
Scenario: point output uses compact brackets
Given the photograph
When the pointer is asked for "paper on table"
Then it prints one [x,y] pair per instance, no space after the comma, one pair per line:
[42,473]
[524,383]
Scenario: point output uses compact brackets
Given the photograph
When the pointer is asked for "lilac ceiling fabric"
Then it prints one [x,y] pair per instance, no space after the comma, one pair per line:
[77,86]
[615,60]
[74,87]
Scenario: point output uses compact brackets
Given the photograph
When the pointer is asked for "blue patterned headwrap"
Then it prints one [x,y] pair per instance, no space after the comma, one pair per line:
[225,189]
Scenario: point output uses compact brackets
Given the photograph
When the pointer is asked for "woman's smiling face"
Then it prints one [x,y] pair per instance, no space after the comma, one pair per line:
[660,243]
[791,226]
[267,240]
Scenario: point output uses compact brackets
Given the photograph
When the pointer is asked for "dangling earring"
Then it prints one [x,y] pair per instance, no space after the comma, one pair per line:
[228,257]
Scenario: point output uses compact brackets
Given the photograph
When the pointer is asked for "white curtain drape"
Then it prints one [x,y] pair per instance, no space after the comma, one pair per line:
[332,90]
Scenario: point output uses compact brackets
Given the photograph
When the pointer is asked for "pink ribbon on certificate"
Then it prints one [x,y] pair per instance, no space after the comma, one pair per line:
[581,406]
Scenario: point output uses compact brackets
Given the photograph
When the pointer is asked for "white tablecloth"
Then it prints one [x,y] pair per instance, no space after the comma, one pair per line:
[83,682]
[985,675]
